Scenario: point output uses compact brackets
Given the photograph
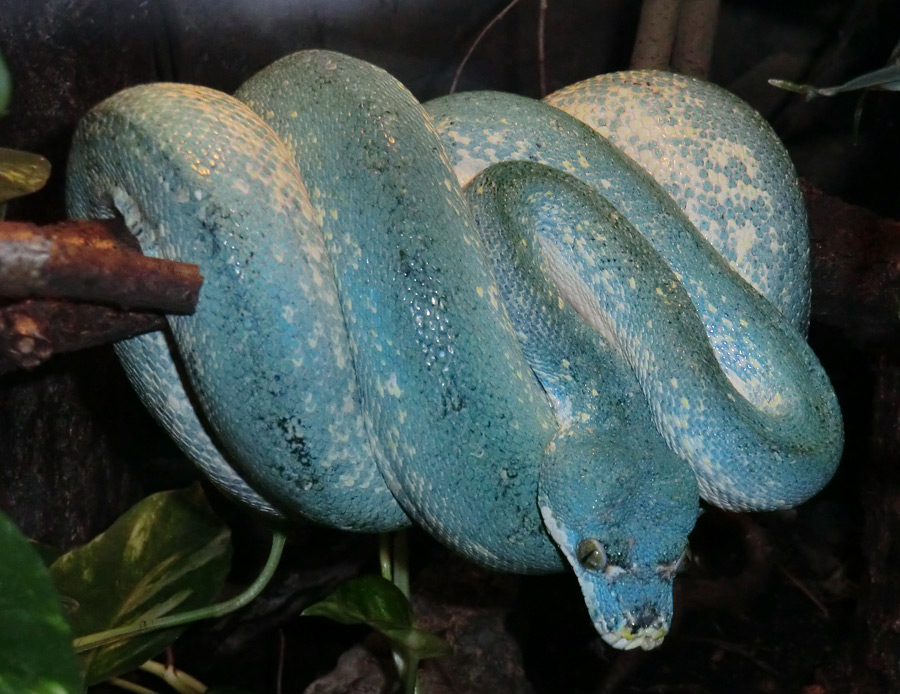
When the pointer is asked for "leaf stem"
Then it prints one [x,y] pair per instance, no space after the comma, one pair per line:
[393,554]
[400,563]
[218,610]
[384,556]
[130,686]
[178,680]
[410,674]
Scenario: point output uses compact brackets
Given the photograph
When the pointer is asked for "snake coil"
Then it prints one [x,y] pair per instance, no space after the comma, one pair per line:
[551,366]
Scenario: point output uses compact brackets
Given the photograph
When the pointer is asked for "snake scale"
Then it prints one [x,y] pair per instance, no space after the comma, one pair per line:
[484,315]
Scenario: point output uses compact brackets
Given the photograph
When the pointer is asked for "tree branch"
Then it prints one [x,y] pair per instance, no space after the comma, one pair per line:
[91,261]
[32,331]
[676,35]
[655,35]
[86,273]
[697,22]
[69,286]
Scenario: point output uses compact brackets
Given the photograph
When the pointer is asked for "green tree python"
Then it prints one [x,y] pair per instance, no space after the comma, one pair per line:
[543,337]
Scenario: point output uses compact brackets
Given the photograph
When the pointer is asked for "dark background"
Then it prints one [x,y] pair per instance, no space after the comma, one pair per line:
[777,602]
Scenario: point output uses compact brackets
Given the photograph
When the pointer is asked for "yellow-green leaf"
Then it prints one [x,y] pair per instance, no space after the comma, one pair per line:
[375,601]
[417,642]
[168,554]
[21,173]
[371,600]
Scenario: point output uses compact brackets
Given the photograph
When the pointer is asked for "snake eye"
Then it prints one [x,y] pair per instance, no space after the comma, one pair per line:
[591,555]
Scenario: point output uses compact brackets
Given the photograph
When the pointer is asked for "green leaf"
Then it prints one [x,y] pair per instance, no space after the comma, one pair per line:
[886,78]
[375,601]
[168,554]
[21,173]
[47,553]
[36,654]
[371,600]
[5,86]
[417,642]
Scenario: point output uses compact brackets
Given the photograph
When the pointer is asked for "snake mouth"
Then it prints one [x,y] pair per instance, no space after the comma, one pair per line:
[645,630]
[626,638]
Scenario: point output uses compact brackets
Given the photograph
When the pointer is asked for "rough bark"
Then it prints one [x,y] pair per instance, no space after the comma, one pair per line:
[73,285]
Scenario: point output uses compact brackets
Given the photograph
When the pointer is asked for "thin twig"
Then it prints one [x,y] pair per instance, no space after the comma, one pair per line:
[500,15]
[806,591]
[179,680]
[279,674]
[541,47]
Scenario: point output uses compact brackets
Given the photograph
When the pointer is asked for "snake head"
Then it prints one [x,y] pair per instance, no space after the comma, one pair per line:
[620,510]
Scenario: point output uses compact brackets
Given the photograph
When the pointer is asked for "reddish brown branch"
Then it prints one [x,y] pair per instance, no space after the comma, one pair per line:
[93,262]
[69,286]
[31,331]
[97,267]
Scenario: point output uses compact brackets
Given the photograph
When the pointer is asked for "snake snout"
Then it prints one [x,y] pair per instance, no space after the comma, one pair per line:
[645,630]
[648,617]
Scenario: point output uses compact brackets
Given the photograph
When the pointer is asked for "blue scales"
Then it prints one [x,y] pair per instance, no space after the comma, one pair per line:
[549,368]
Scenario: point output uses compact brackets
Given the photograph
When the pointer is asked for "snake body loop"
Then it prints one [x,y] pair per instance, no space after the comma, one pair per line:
[748,403]
[548,368]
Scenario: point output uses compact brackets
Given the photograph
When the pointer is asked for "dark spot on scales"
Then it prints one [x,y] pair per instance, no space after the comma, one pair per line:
[290,428]
[451,401]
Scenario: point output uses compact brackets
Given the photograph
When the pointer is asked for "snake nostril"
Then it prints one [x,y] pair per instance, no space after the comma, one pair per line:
[647,617]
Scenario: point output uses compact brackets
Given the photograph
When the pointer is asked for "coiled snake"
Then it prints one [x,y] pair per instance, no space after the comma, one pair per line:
[552,366]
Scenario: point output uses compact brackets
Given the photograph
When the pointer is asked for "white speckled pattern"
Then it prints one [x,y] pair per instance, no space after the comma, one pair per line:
[720,161]
[230,199]
[548,368]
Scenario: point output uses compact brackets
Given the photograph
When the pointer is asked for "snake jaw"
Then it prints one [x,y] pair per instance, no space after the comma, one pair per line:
[626,640]
[628,636]
[630,608]
[626,630]
[597,497]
